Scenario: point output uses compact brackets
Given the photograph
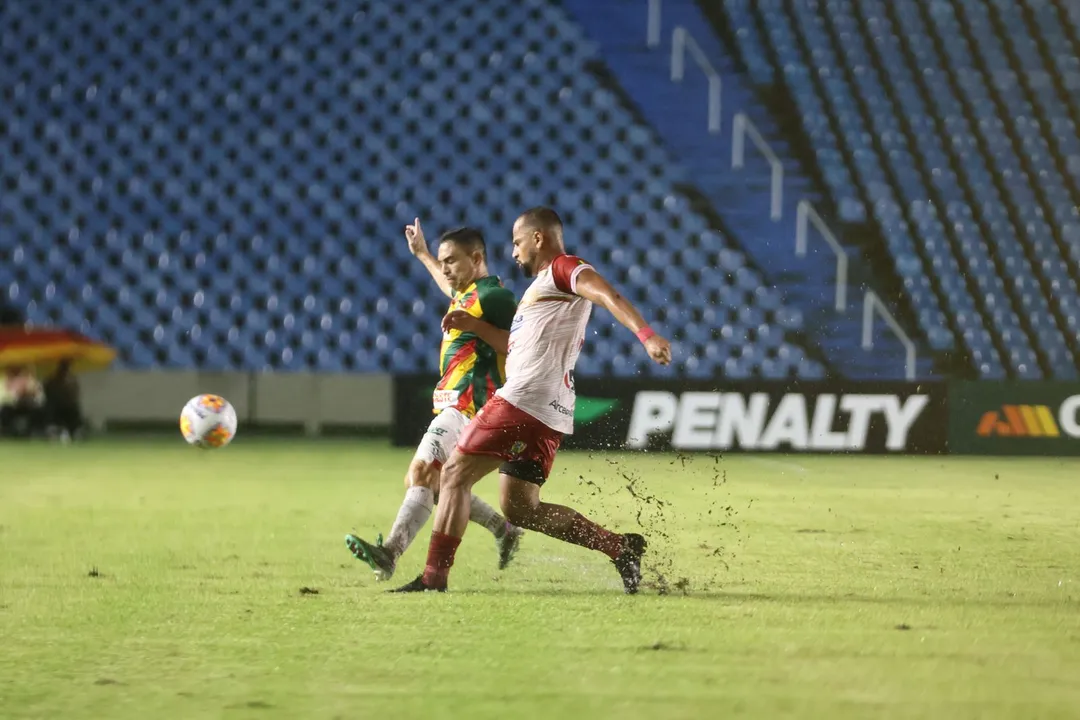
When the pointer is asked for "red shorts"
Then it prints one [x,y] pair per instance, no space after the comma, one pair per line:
[527,445]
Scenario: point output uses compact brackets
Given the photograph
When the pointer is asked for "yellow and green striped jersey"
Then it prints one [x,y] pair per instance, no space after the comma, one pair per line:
[471,369]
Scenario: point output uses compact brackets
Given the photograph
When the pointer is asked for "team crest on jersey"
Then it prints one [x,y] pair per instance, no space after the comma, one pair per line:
[517,448]
[466,302]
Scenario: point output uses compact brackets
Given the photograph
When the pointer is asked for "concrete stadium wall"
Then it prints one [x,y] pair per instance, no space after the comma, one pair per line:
[314,401]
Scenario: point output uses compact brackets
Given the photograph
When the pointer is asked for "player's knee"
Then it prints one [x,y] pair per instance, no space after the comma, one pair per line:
[423,474]
[514,514]
[451,474]
[520,513]
[518,504]
[455,474]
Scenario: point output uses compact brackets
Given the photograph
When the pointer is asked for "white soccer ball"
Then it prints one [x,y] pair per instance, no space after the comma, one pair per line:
[208,421]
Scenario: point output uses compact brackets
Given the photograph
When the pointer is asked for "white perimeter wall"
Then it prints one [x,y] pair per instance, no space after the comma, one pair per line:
[311,399]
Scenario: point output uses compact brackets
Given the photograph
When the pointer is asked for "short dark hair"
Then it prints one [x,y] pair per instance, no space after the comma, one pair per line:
[543,219]
[467,238]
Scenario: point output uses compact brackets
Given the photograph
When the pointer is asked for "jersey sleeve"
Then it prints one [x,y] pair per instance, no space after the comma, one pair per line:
[498,307]
[565,270]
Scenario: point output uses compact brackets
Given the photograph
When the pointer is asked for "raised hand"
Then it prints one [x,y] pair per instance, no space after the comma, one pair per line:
[459,320]
[414,234]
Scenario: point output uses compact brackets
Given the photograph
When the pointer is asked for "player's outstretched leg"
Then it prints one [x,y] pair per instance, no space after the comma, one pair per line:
[451,519]
[521,503]
[422,483]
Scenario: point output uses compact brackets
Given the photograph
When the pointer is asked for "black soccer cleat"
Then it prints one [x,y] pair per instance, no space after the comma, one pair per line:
[629,562]
[417,586]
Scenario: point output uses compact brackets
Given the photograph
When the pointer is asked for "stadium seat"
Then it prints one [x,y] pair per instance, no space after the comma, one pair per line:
[234,203]
[957,120]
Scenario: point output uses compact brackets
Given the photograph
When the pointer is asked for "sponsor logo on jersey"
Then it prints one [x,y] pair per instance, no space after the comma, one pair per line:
[445,398]
[719,421]
[560,408]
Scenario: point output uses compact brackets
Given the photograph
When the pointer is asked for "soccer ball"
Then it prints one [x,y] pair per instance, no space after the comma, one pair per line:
[208,421]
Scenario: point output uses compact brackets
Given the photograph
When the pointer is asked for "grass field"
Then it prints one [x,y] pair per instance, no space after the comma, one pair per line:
[144,579]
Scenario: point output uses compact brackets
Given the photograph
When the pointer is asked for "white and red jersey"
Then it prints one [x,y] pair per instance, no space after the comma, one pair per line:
[545,339]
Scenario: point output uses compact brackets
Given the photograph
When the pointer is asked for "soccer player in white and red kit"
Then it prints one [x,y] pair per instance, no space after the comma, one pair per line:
[520,429]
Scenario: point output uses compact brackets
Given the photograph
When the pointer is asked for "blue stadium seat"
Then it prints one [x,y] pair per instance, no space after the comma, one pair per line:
[238,203]
[233,195]
[964,148]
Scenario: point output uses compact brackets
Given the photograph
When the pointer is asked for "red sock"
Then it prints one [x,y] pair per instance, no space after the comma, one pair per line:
[609,543]
[440,558]
[588,534]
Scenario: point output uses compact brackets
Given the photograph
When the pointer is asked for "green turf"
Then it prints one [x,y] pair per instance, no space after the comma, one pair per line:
[838,587]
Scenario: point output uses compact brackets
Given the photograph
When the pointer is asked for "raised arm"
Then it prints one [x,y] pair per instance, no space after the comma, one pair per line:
[589,284]
[418,247]
[497,309]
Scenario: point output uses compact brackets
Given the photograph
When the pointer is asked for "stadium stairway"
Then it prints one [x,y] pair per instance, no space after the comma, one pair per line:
[679,113]
[961,143]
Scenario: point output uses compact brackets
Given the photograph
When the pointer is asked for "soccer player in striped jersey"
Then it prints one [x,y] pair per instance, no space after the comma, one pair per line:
[472,361]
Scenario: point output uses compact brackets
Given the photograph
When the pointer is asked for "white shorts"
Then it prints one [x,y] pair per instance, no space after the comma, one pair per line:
[441,437]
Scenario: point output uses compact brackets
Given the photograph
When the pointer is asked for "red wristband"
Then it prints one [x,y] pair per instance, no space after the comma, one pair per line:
[644,333]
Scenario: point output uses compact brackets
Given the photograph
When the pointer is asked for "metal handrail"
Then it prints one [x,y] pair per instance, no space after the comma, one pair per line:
[742,127]
[872,302]
[681,43]
[805,215]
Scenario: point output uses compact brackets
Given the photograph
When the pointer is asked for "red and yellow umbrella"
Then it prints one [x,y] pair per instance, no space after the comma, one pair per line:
[45,348]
